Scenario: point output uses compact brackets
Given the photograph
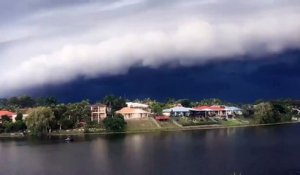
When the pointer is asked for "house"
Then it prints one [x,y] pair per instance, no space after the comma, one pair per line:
[232,111]
[137,105]
[133,113]
[178,111]
[6,113]
[98,112]
[217,111]
[210,111]
[25,113]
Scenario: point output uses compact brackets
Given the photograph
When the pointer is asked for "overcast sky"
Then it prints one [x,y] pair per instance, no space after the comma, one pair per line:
[56,42]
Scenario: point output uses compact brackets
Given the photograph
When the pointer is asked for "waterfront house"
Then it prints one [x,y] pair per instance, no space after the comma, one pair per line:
[137,105]
[133,113]
[210,111]
[6,113]
[233,111]
[178,111]
[217,111]
[98,112]
[25,113]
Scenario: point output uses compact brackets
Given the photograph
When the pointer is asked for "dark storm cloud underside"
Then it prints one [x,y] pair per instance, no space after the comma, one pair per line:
[277,76]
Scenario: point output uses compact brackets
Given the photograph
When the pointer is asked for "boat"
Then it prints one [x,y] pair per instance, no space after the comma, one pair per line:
[69,139]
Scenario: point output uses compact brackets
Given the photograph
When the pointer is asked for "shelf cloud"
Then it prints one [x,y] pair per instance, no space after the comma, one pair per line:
[53,42]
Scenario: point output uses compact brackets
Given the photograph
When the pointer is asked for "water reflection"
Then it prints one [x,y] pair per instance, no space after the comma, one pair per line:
[264,150]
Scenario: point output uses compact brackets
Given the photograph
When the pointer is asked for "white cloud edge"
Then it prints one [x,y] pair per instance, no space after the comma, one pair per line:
[193,39]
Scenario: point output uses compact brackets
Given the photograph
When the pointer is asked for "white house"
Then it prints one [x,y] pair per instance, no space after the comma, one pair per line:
[177,111]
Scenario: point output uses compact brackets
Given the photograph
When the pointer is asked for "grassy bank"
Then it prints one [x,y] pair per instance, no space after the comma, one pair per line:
[145,126]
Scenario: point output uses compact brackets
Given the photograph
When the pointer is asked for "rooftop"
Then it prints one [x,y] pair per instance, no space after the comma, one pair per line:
[127,110]
[8,113]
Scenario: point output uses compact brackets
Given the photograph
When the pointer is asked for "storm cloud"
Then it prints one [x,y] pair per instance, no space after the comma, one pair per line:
[51,43]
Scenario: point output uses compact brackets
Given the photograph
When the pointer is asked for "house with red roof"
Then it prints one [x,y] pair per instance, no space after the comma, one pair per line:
[6,113]
[217,111]
[211,111]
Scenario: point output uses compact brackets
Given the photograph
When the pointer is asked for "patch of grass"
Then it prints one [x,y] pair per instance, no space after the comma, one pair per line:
[143,124]
[231,122]
[167,124]
[185,121]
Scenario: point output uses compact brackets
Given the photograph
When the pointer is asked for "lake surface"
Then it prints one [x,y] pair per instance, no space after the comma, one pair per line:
[259,150]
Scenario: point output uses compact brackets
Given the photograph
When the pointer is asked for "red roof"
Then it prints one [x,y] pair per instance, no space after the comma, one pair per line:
[210,108]
[8,113]
[162,117]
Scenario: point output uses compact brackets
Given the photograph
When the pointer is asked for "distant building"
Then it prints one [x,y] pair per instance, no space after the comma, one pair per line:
[211,111]
[133,113]
[6,113]
[98,112]
[231,110]
[138,106]
[25,113]
[178,111]
[217,111]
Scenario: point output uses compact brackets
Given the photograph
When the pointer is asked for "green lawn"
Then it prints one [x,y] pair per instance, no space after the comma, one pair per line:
[144,124]
[231,122]
[167,124]
[185,121]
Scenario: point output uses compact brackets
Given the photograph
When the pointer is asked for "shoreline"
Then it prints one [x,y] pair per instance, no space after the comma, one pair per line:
[187,128]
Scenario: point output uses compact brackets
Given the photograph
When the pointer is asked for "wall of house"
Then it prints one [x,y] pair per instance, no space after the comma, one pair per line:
[134,116]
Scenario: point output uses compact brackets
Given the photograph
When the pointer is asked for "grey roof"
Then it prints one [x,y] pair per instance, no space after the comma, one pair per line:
[178,109]
[232,108]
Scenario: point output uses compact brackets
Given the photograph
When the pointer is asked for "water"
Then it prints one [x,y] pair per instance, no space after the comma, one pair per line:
[260,150]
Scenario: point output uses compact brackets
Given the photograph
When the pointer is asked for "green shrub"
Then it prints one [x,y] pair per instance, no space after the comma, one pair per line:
[8,126]
[115,123]
[67,124]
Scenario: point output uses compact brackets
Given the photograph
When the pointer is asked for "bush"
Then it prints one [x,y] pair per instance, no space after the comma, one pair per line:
[8,126]
[271,113]
[115,123]
[67,124]
[19,117]
[1,129]
[19,126]
[93,124]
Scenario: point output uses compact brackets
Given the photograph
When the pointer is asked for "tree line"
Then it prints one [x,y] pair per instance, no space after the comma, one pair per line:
[47,114]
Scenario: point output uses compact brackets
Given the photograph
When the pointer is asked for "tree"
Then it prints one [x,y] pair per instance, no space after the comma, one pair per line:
[77,112]
[116,103]
[25,102]
[60,114]
[38,120]
[19,125]
[283,111]
[115,123]
[46,101]
[156,108]
[19,116]
[185,102]
[67,124]
[211,101]
[3,103]
[8,126]
[264,113]
[5,118]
